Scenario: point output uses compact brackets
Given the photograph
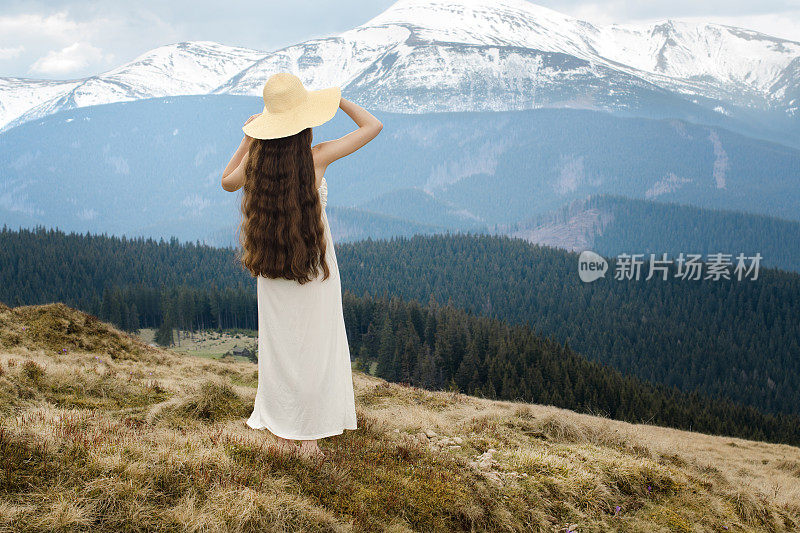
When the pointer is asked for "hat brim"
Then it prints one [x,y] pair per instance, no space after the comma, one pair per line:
[320,106]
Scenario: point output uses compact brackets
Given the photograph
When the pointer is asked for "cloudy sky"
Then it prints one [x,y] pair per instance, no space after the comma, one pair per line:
[63,39]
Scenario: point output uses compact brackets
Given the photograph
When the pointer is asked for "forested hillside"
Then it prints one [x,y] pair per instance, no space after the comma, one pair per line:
[610,225]
[433,346]
[41,265]
[730,339]
[655,227]
[441,347]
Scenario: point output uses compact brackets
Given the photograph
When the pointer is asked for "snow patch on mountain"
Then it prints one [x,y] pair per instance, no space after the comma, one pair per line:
[575,233]
[483,160]
[182,68]
[720,160]
[572,175]
[119,164]
[87,214]
[668,184]
[321,62]
[18,95]
[195,203]
[14,199]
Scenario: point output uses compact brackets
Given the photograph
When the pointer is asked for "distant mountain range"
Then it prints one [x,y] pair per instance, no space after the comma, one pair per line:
[158,175]
[501,116]
[474,55]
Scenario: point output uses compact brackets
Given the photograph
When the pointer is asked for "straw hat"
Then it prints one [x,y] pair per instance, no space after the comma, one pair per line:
[289,108]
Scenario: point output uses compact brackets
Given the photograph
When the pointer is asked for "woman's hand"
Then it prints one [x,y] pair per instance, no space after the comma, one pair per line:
[247,138]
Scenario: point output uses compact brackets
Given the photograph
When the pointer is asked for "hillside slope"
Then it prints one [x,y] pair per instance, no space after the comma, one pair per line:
[611,225]
[104,432]
[727,338]
[746,352]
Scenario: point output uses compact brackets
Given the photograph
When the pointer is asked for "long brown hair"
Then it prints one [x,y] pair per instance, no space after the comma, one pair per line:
[282,234]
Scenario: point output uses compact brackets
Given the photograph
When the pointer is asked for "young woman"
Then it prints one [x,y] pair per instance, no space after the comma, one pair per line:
[305,385]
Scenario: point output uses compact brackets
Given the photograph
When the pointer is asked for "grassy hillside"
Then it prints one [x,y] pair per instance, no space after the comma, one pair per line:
[100,431]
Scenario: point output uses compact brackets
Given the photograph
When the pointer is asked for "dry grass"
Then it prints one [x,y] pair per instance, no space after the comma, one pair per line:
[113,435]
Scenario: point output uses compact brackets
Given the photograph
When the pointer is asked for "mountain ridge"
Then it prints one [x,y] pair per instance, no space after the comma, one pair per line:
[470,55]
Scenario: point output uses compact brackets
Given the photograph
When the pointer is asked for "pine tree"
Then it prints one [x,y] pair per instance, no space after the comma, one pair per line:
[133,322]
[164,335]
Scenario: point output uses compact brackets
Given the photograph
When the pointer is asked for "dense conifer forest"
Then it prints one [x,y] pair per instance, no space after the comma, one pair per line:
[440,347]
[653,227]
[730,340]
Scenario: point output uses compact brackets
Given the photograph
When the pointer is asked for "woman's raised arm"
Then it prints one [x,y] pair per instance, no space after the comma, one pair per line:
[233,175]
[368,128]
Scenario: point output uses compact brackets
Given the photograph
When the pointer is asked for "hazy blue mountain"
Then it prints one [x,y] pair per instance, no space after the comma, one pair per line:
[152,167]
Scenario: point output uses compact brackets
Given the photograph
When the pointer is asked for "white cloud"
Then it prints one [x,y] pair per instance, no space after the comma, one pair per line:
[70,59]
[598,14]
[58,26]
[11,52]
[53,44]
[74,41]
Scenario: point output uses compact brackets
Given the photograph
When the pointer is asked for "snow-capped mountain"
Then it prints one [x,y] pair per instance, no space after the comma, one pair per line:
[457,55]
[18,95]
[184,68]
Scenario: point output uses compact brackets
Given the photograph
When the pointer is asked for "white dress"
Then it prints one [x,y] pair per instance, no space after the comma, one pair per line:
[305,384]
